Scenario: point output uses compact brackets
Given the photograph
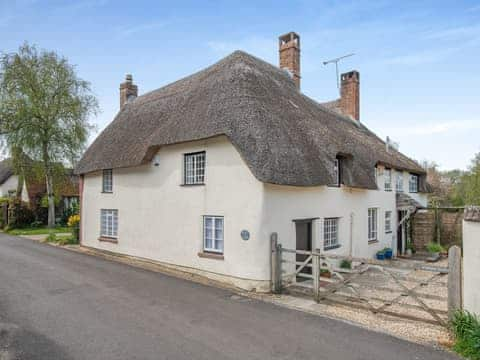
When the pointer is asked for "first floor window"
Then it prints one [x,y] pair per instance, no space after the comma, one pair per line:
[107,181]
[330,233]
[372,224]
[399,181]
[387,176]
[413,183]
[194,172]
[213,234]
[109,223]
[388,221]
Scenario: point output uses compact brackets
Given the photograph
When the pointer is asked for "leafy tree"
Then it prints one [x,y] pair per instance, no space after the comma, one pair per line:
[44,110]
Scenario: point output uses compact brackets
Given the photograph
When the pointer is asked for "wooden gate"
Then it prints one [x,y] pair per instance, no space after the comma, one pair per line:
[403,290]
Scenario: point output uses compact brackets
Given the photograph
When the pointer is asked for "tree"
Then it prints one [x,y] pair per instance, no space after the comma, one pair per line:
[44,110]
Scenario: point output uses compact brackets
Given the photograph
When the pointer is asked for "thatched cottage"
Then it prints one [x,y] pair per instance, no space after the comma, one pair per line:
[199,173]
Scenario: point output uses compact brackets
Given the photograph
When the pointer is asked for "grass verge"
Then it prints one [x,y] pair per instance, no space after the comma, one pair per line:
[40,231]
[466,328]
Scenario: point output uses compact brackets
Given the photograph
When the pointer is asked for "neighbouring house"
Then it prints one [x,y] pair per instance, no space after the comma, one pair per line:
[199,173]
[34,187]
[9,181]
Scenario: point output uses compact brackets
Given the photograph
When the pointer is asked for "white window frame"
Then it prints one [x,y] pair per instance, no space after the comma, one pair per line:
[109,223]
[399,181]
[107,181]
[194,168]
[388,222]
[387,179]
[372,224]
[413,183]
[217,244]
[330,233]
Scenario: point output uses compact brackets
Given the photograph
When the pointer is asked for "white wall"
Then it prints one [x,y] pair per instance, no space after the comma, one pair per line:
[285,204]
[471,266]
[11,185]
[162,220]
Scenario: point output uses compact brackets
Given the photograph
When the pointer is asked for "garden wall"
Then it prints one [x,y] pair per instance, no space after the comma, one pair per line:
[471,260]
[424,229]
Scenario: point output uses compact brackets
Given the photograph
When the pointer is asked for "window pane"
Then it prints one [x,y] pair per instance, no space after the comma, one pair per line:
[194,168]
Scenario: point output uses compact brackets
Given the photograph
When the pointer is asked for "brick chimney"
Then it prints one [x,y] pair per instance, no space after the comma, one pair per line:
[350,94]
[128,91]
[289,49]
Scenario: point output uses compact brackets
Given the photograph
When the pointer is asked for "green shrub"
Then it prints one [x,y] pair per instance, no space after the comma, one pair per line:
[434,248]
[19,214]
[466,329]
[52,237]
[346,264]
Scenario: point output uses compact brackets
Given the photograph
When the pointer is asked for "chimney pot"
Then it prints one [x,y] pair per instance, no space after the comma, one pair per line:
[289,55]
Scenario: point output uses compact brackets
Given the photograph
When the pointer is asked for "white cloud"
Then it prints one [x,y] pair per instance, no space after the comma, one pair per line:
[134,29]
[433,128]
[460,32]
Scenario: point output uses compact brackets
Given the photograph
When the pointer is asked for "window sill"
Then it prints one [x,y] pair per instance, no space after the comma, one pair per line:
[388,232]
[332,247]
[202,184]
[107,192]
[108,239]
[209,255]
[372,242]
[388,190]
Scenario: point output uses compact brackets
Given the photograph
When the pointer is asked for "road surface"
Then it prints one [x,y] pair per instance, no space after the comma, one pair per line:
[58,304]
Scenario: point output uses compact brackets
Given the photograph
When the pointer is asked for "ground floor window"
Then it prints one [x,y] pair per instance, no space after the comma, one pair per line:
[330,233]
[109,223]
[213,234]
[388,222]
[372,224]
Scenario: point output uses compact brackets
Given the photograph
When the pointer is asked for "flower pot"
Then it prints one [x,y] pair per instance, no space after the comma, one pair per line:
[326,274]
[381,256]
[388,254]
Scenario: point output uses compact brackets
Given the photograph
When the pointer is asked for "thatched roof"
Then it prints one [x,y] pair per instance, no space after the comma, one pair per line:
[283,136]
[6,170]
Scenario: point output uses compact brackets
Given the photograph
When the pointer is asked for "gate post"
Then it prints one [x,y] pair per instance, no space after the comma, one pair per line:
[316,263]
[276,269]
[454,280]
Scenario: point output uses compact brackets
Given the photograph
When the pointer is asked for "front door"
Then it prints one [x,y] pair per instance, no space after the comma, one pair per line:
[303,229]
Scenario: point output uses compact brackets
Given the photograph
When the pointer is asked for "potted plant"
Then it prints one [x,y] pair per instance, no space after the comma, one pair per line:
[346,264]
[381,255]
[325,273]
[435,249]
[388,253]
[74,223]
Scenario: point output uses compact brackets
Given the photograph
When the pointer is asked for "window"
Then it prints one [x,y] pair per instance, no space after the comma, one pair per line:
[388,222]
[413,183]
[336,172]
[330,233]
[399,181]
[387,176]
[109,223]
[213,234]
[107,183]
[372,224]
[194,171]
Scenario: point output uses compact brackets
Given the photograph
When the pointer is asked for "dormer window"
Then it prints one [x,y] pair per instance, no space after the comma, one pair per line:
[413,183]
[107,181]
[337,172]
[387,177]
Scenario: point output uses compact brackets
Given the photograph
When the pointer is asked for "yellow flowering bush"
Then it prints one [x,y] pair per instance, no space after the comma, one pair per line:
[73,220]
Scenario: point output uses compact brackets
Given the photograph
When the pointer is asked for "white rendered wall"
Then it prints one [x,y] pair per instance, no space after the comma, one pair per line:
[11,185]
[160,219]
[471,266]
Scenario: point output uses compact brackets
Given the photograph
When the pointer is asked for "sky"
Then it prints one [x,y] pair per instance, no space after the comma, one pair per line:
[418,60]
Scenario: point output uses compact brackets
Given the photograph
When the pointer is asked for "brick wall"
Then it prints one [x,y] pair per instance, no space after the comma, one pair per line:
[423,228]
